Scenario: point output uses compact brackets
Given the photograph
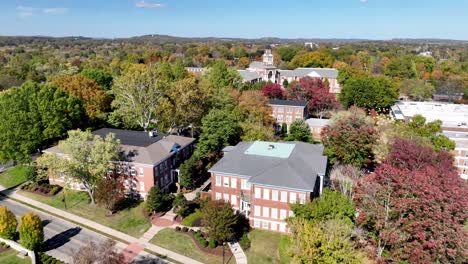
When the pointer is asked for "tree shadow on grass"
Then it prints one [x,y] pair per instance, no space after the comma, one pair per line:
[60,239]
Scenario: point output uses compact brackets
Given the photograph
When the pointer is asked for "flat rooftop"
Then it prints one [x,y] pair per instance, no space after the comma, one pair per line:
[451,115]
[270,149]
[131,137]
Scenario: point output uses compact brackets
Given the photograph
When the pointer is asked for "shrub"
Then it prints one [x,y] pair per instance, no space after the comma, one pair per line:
[189,220]
[31,231]
[177,228]
[8,223]
[31,173]
[203,241]
[54,190]
[184,229]
[244,242]
[213,243]
[6,246]
[157,201]
[192,231]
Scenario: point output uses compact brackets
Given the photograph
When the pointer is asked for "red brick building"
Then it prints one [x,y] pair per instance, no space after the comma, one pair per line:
[261,179]
[147,159]
[286,112]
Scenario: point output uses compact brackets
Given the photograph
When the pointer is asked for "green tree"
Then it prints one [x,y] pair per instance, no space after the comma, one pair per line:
[137,93]
[431,131]
[31,231]
[218,220]
[418,90]
[378,93]
[157,201]
[190,172]
[350,138]
[8,223]
[287,53]
[330,205]
[299,130]
[220,128]
[319,58]
[181,205]
[325,242]
[218,81]
[32,115]
[101,77]
[88,158]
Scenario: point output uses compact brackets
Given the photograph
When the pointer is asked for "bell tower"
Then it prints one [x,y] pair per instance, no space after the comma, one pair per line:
[267,57]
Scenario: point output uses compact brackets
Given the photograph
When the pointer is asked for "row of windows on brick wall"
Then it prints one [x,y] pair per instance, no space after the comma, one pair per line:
[125,170]
[275,194]
[245,185]
[265,212]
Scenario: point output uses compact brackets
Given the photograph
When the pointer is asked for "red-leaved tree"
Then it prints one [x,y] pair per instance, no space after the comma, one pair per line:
[273,91]
[414,206]
[315,93]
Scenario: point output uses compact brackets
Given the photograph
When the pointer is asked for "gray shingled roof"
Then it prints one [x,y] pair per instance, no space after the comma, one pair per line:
[248,75]
[138,147]
[299,171]
[323,72]
[260,65]
[287,102]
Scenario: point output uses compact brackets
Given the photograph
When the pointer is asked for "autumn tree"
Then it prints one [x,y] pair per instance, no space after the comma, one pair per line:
[254,114]
[88,158]
[319,59]
[415,202]
[378,93]
[137,93]
[350,137]
[315,93]
[273,91]
[93,96]
[218,220]
[102,253]
[328,241]
[343,178]
[31,231]
[8,223]
[243,63]
[109,191]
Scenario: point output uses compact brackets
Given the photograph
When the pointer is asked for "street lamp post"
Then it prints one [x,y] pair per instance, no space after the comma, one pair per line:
[224,243]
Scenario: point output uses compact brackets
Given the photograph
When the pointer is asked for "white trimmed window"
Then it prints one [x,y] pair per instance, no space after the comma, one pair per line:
[233,182]
[257,223]
[292,197]
[265,225]
[274,195]
[226,197]
[233,199]
[133,171]
[257,210]
[117,168]
[302,198]
[274,213]
[280,109]
[141,171]
[134,184]
[288,119]
[273,226]
[290,110]
[226,181]
[258,193]
[266,194]
[284,197]
[282,214]
[280,118]
[142,186]
[245,185]
[126,184]
[218,180]
[218,196]
[291,214]
[266,211]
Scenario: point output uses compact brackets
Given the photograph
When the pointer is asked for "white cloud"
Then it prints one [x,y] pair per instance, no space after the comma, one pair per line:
[27,11]
[143,4]
[55,10]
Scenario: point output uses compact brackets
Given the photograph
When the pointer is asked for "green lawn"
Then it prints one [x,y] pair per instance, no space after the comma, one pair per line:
[130,221]
[181,243]
[265,247]
[9,257]
[13,176]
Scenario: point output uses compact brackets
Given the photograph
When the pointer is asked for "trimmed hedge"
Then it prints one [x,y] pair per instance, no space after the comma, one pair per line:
[189,220]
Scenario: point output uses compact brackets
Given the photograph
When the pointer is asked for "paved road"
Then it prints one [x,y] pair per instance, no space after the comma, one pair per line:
[62,238]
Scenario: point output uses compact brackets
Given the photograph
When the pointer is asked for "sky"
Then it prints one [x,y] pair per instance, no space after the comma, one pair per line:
[370,19]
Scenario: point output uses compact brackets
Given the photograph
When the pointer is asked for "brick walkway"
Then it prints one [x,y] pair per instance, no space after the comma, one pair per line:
[104,229]
[131,251]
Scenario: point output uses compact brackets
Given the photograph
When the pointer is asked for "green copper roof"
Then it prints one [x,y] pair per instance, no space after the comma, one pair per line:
[271,149]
